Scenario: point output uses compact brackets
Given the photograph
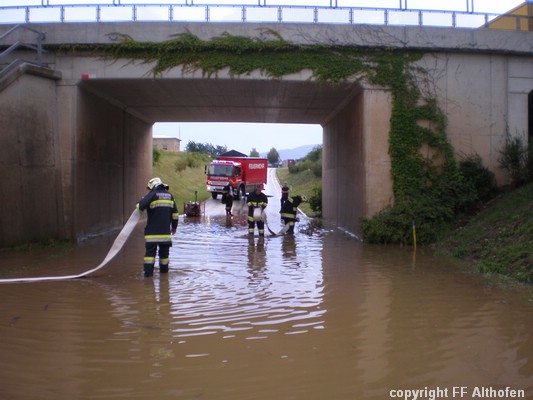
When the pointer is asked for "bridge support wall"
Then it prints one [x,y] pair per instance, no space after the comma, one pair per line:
[356,166]
[113,154]
[31,193]
[72,163]
[485,98]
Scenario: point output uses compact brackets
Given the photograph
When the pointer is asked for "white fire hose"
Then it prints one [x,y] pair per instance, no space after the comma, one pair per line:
[259,214]
[113,251]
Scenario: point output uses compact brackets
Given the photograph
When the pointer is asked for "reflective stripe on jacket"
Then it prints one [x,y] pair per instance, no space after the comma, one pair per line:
[162,215]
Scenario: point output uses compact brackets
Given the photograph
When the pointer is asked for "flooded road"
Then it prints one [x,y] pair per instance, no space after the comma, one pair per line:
[317,315]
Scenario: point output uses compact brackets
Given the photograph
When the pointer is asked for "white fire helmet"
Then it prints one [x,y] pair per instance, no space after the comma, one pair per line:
[154,182]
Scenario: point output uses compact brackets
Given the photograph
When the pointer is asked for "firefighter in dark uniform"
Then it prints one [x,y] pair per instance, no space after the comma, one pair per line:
[289,210]
[227,199]
[284,193]
[256,201]
[161,225]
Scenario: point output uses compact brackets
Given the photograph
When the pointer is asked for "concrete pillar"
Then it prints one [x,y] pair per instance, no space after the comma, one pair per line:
[66,136]
[356,179]
[72,163]
[113,164]
[377,165]
[31,199]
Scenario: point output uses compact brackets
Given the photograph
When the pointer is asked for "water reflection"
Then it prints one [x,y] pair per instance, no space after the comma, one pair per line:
[256,258]
[248,288]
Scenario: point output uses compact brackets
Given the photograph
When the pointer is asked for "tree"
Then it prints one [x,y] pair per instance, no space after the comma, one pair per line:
[315,154]
[273,156]
[205,148]
[254,153]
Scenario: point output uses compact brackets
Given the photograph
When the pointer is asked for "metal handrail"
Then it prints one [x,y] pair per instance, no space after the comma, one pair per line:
[279,10]
[40,36]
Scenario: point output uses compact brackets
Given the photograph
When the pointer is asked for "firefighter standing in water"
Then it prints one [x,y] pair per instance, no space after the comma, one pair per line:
[284,194]
[227,199]
[289,210]
[256,201]
[161,225]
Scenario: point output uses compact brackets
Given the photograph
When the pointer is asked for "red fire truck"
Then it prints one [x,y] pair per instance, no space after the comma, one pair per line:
[242,173]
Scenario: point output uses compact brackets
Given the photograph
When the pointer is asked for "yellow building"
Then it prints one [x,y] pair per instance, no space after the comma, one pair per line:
[167,144]
[518,19]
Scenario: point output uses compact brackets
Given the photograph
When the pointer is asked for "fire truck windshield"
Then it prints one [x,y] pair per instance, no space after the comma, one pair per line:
[220,170]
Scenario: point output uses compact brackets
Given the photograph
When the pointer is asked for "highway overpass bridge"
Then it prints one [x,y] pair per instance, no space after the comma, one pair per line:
[76,132]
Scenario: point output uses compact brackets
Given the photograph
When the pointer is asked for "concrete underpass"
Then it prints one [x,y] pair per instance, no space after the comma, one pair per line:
[76,152]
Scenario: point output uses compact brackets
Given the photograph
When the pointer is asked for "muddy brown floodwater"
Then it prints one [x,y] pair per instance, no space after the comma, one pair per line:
[313,316]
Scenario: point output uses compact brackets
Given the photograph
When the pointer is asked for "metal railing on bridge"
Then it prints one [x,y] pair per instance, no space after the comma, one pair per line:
[394,12]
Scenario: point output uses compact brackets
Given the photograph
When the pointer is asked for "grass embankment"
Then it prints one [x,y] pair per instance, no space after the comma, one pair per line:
[301,183]
[184,183]
[499,239]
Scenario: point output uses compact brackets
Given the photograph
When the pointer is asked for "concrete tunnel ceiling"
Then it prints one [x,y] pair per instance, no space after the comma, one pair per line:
[225,100]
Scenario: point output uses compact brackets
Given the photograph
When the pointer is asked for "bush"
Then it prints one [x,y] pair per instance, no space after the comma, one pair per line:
[180,164]
[312,162]
[195,160]
[530,160]
[315,155]
[514,159]
[156,155]
[394,224]
[479,182]
[315,201]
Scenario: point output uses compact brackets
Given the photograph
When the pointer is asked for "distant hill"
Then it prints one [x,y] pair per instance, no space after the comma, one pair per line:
[294,154]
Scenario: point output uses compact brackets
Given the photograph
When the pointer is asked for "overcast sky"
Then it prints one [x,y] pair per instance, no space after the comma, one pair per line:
[242,136]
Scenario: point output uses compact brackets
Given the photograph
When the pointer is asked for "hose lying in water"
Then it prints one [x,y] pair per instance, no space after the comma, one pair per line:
[260,215]
[113,251]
